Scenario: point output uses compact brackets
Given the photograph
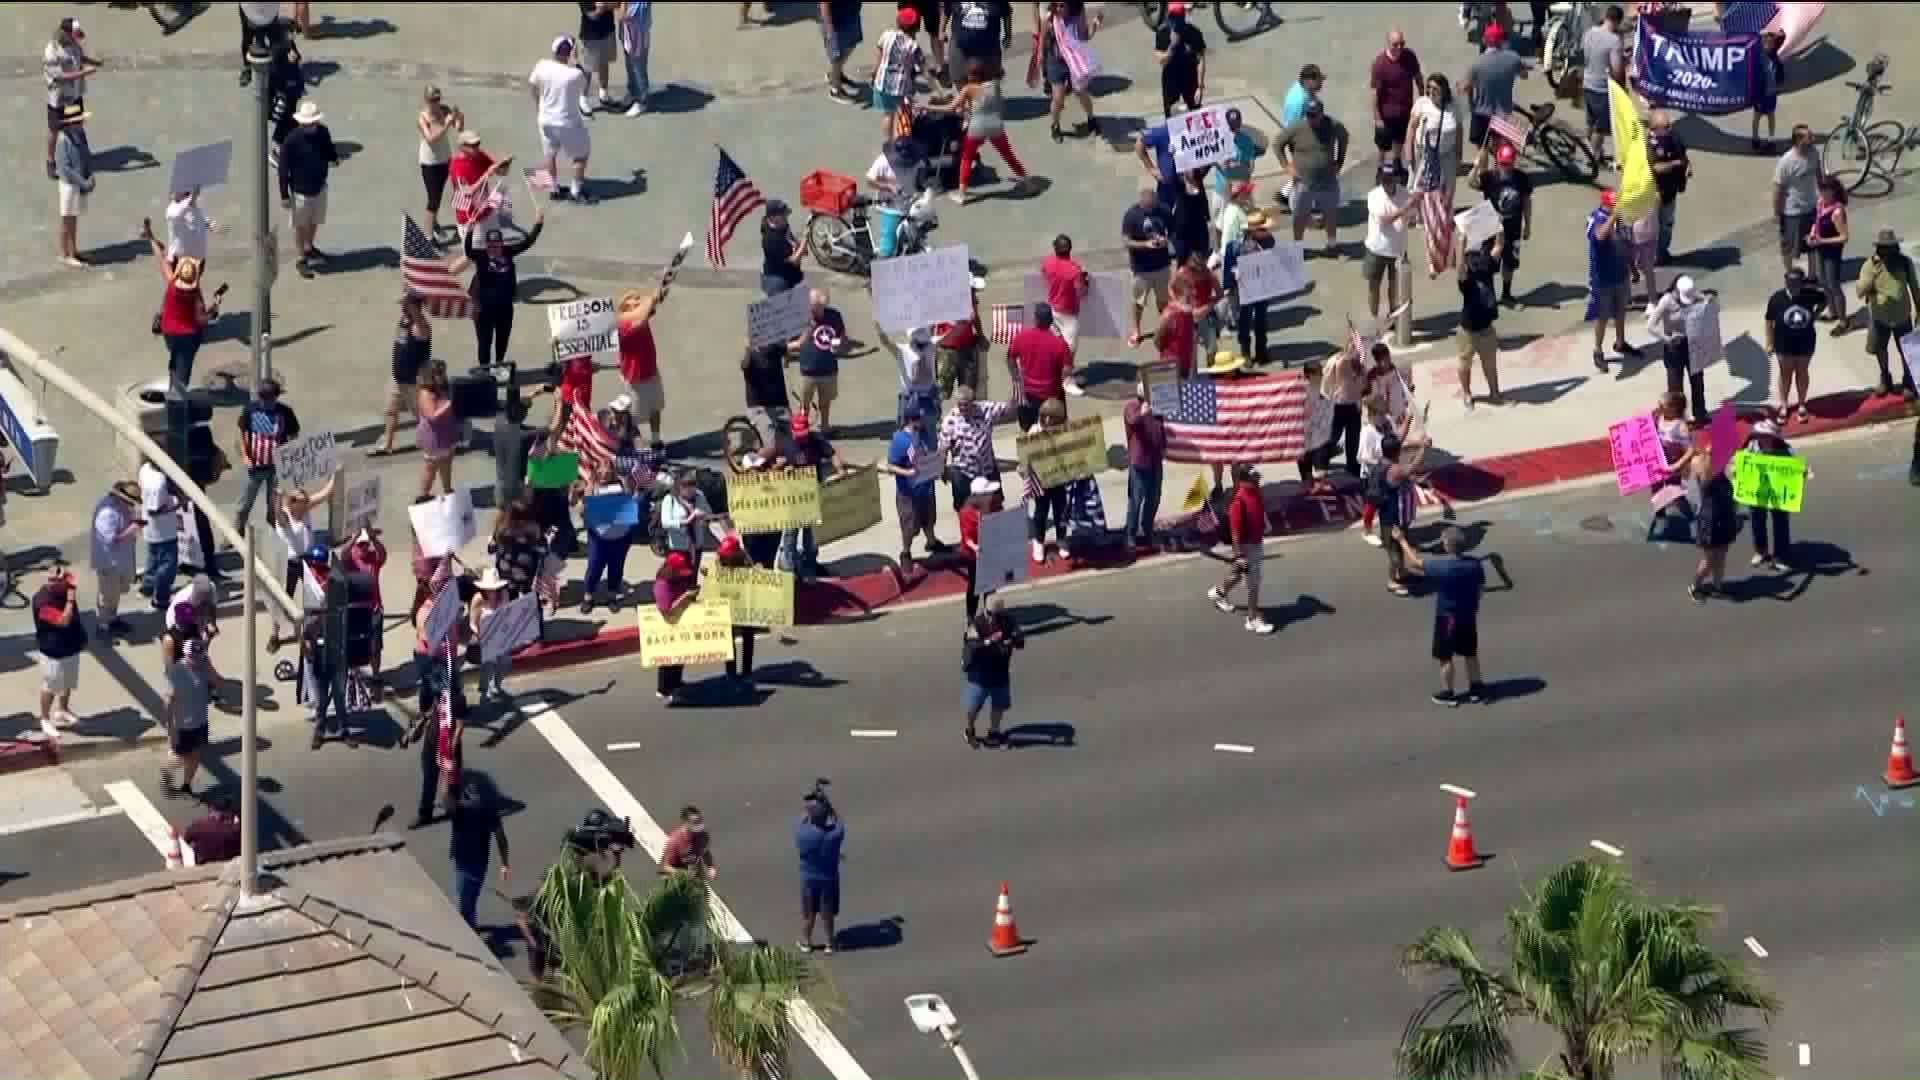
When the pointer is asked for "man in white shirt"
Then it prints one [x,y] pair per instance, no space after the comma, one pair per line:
[557,86]
[116,524]
[67,67]
[187,227]
[1387,209]
[161,509]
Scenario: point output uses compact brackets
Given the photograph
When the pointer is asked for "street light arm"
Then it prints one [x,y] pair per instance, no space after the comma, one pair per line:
[952,1037]
[24,355]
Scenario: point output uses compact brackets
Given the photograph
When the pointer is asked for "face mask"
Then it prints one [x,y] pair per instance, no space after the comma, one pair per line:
[697,829]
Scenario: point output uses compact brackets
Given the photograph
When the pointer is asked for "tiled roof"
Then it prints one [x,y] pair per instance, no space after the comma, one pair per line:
[349,963]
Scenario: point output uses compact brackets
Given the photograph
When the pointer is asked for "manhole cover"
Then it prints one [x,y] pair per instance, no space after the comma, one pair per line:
[1599,523]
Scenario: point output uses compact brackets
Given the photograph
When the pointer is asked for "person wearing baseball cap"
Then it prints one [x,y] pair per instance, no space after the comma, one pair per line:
[1608,255]
[780,250]
[1791,336]
[911,453]
[1181,51]
[1510,190]
[559,86]
[67,66]
[1490,87]
[1234,171]
[675,588]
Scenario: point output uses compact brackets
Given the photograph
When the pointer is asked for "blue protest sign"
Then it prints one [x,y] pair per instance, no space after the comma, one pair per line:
[613,509]
[1710,74]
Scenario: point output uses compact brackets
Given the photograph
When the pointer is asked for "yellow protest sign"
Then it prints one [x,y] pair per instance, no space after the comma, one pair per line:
[1769,481]
[758,596]
[774,500]
[849,504]
[1196,495]
[703,634]
[1077,451]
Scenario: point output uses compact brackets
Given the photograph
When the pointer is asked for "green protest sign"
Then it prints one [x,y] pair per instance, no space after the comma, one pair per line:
[553,470]
[1769,481]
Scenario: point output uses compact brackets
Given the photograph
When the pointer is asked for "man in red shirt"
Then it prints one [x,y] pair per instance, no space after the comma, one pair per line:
[1067,285]
[688,849]
[1395,83]
[1179,329]
[1203,292]
[1247,521]
[640,357]
[1043,360]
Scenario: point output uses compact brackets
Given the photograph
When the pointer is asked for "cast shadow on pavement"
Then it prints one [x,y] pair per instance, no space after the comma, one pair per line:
[1544,393]
[879,934]
[1036,620]
[607,189]
[347,262]
[1819,62]
[512,714]
[1809,559]
[1747,361]
[1512,689]
[1551,295]
[7,877]
[795,673]
[352,29]
[1023,736]
[120,159]
[1285,616]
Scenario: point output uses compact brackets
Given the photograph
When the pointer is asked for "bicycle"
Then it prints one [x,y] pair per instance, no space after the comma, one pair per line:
[172,17]
[1856,143]
[1565,26]
[1559,144]
[1242,19]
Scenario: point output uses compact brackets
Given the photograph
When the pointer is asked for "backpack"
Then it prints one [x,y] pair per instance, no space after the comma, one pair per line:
[656,529]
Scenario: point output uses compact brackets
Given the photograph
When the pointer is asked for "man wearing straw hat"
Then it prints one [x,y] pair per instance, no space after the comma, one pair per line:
[73,165]
[116,527]
[305,160]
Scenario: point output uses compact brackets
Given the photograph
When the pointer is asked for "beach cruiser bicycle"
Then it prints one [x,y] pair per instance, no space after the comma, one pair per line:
[1236,18]
[1856,149]
[1544,137]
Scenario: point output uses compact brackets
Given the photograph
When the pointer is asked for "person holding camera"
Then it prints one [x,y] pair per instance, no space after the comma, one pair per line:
[60,637]
[818,837]
[987,649]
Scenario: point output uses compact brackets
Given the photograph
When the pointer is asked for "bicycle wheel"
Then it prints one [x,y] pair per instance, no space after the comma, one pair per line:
[1568,152]
[1848,155]
[1559,50]
[1154,14]
[1240,18]
[832,242]
[172,17]
[738,438]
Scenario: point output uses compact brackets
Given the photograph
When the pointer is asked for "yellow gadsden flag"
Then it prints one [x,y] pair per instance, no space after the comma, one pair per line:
[1636,197]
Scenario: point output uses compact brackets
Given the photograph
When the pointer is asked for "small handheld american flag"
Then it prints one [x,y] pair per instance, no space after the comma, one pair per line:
[432,275]
[1505,126]
[734,197]
[1007,320]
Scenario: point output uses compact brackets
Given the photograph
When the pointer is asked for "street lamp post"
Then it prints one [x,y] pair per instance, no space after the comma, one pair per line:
[249,733]
[260,62]
[932,1016]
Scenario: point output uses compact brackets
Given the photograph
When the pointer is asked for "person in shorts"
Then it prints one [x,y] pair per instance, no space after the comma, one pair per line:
[991,639]
[1315,150]
[73,165]
[818,837]
[60,637]
[1457,580]
[840,33]
[183,653]
[1604,62]
[1247,525]
[897,60]
[914,503]
[67,67]
[1608,284]
[597,27]
[1146,229]
[558,88]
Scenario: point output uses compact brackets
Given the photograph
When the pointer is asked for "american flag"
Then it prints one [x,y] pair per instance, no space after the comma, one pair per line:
[431,274]
[539,179]
[546,584]
[1240,421]
[1007,320]
[1505,126]
[1436,217]
[583,435]
[262,434]
[474,203]
[734,197]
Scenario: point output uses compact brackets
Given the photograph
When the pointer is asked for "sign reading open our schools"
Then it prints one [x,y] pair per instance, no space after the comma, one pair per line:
[588,327]
[757,595]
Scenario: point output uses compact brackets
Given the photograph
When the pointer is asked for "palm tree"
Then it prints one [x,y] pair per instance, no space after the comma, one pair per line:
[1619,977]
[621,962]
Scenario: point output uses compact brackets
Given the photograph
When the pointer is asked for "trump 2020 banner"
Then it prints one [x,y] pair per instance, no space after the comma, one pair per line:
[1709,74]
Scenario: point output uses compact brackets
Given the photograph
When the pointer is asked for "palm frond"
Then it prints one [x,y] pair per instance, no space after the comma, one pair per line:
[1453,1052]
[1739,1054]
[749,992]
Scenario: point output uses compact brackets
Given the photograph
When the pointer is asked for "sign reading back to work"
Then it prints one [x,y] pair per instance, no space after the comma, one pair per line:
[758,596]
[915,291]
[849,505]
[701,634]
[1077,451]
[589,327]
[1200,138]
[774,500]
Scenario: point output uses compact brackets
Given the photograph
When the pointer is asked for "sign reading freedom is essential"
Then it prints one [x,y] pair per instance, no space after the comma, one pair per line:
[703,634]
[1077,451]
[308,462]
[914,291]
[1769,481]
[584,328]
[849,505]
[758,596]
[1200,138]
[773,501]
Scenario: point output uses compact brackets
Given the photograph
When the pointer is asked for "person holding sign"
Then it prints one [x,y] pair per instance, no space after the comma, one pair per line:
[1510,190]
[1047,502]
[732,555]
[607,543]
[640,358]
[1772,528]
[1668,322]
[489,598]
[674,590]
[1252,329]
[184,311]
[496,284]
[807,449]
[916,465]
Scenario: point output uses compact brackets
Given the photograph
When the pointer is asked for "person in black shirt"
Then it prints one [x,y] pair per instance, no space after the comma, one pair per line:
[1478,312]
[1192,234]
[1181,51]
[286,85]
[596,48]
[764,371]
[1511,193]
[1671,168]
[1790,333]
[305,158]
[780,252]
[412,350]
[1145,229]
[990,641]
[979,30]
[475,826]
[496,283]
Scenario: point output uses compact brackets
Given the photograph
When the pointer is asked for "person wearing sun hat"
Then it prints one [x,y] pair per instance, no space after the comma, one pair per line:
[184,312]
[73,166]
[112,546]
[305,159]
[489,598]
[1250,317]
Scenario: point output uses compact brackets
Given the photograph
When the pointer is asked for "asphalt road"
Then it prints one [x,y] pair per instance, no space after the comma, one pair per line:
[1199,913]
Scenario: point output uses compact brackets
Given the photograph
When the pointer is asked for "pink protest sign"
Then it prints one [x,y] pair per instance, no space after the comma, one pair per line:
[1638,461]
[1726,439]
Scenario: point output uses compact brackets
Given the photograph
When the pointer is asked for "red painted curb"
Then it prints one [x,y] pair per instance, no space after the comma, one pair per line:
[18,755]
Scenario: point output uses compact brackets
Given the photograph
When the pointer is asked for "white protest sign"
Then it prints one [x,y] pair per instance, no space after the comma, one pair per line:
[445,525]
[584,328]
[512,627]
[1478,224]
[779,318]
[931,466]
[443,613]
[201,167]
[914,291]
[1003,550]
[1200,137]
[307,462]
[1281,270]
[1704,347]
[1103,307]
[1910,354]
[363,503]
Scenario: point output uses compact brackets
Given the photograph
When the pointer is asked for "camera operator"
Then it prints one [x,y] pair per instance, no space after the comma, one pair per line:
[595,847]
[818,838]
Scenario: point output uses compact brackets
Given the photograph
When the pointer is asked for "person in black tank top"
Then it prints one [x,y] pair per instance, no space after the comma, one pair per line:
[412,352]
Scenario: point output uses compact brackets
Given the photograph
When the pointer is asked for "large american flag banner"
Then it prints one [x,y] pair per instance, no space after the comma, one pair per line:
[583,435]
[1006,320]
[734,197]
[1436,222]
[1242,421]
[433,275]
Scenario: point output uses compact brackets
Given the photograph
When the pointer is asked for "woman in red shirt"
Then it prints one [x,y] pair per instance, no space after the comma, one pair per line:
[1178,331]
[184,312]
[470,167]
[640,357]
[1203,292]
[982,499]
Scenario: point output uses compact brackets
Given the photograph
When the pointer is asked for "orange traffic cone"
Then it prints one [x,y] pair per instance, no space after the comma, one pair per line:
[174,859]
[1900,772]
[1460,853]
[1006,939]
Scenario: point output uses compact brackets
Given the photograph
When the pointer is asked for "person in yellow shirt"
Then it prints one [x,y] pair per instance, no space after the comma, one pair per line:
[1890,289]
